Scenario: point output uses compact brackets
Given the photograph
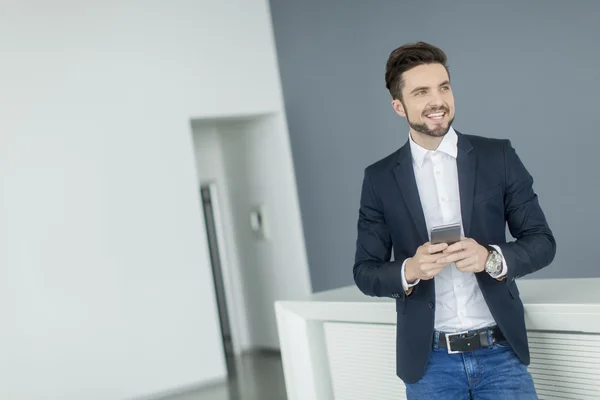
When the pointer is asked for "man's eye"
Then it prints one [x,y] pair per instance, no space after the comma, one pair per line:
[445,88]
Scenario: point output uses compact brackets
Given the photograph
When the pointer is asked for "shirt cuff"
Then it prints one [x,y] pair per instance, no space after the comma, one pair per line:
[405,285]
[504,271]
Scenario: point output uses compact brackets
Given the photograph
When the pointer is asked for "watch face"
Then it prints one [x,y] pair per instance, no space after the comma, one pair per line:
[494,263]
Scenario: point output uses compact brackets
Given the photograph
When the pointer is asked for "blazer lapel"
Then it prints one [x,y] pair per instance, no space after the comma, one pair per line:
[466,164]
[405,177]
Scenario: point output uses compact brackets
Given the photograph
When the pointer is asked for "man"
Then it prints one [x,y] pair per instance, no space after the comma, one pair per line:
[460,323]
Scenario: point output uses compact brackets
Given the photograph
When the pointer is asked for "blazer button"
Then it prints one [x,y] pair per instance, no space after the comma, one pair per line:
[431,305]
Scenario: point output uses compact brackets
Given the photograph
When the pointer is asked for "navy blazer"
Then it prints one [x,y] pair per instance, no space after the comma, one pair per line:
[495,189]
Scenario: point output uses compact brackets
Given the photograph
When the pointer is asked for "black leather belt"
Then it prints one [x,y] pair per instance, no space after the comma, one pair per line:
[461,342]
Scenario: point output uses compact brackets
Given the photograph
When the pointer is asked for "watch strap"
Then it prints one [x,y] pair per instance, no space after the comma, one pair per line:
[490,248]
[491,251]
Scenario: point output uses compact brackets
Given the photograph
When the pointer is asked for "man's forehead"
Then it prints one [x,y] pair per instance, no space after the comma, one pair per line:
[426,75]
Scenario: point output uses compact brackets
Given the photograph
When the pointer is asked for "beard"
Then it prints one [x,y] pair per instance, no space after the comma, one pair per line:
[439,131]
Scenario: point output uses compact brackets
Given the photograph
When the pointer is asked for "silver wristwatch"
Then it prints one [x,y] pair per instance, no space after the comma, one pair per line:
[493,264]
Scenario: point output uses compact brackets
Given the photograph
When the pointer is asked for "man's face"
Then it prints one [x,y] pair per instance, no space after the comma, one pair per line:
[427,100]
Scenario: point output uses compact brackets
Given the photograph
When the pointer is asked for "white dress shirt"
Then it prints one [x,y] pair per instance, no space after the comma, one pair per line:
[460,305]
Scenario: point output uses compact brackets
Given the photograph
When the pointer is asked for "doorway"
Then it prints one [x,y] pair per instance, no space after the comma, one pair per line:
[249,198]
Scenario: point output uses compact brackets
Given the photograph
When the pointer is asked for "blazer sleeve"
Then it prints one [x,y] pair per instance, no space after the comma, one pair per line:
[374,273]
[535,246]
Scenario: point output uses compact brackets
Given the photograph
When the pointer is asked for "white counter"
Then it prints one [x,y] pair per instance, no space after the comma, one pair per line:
[340,344]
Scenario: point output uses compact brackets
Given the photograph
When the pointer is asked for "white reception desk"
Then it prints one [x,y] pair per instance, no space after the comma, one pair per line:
[341,344]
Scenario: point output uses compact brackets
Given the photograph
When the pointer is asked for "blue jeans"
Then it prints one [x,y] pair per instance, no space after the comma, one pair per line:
[492,373]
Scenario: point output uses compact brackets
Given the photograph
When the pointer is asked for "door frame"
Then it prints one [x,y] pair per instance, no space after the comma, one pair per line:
[235,316]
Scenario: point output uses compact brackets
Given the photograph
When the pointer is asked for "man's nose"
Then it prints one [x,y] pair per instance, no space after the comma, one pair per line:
[436,100]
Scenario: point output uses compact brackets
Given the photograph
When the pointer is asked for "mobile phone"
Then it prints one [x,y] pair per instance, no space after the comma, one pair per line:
[448,234]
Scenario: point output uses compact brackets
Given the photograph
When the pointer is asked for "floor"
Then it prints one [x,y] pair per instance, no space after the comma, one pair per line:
[259,376]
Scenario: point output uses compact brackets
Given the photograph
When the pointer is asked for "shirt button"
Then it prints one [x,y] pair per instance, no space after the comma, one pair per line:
[437,172]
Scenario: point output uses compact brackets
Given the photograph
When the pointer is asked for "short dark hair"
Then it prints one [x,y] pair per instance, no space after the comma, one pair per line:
[407,57]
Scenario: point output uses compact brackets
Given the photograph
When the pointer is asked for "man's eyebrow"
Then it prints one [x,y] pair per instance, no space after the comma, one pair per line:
[418,89]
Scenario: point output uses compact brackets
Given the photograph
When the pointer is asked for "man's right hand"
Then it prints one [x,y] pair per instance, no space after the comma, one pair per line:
[424,263]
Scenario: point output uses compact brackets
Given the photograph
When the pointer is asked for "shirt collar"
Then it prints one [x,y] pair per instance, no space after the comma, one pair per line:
[448,145]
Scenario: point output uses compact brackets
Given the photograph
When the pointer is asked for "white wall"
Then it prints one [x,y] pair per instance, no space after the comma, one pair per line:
[105,289]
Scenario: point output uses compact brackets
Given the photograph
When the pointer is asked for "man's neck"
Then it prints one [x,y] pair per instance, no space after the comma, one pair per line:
[426,141]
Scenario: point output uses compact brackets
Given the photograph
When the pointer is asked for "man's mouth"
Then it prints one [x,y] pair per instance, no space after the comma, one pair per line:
[436,116]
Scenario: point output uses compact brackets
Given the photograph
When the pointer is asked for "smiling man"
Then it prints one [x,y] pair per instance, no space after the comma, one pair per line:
[460,322]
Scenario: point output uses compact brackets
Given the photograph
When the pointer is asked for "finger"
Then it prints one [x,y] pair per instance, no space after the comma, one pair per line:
[470,268]
[455,257]
[466,263]
[466,244]
[423,248]
[453,248]
[436,248]
[430,258]
[474,266]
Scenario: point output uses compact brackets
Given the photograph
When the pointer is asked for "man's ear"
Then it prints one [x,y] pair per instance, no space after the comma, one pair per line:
[399,108]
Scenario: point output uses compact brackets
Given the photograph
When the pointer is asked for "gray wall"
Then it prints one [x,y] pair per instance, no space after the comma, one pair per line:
[527,71]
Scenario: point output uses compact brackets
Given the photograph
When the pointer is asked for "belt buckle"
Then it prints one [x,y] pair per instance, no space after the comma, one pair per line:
[448,336]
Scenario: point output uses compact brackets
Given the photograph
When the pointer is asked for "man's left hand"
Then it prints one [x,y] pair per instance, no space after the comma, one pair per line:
[468,255]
